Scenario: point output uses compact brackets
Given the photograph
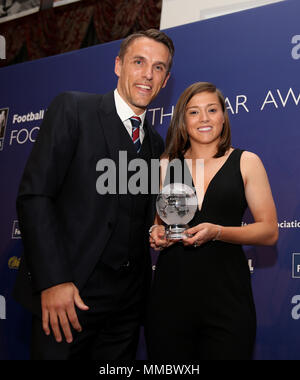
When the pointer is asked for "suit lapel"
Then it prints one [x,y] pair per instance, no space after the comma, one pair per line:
[111,124]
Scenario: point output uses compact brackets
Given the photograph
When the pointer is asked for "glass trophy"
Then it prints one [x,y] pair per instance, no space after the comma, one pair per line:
[176,205]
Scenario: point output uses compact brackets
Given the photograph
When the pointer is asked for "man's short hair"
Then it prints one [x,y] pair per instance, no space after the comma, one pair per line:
[155,35]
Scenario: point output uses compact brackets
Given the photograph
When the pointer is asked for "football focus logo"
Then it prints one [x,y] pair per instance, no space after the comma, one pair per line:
[3,123]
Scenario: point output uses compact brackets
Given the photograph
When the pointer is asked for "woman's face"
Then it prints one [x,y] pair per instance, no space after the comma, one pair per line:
[204,118]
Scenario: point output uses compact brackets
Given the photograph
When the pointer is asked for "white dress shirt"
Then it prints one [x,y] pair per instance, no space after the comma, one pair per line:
[125,113]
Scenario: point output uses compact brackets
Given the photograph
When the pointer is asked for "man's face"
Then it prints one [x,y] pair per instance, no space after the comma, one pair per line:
[142,72]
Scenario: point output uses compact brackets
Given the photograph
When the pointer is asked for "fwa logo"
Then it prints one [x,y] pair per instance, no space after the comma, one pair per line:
[296,48]
[2,308]
[2,48]
[296,265]
[3,123]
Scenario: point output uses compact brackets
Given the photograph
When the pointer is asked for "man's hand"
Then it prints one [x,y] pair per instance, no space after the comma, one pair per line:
[158,240]
[58,308]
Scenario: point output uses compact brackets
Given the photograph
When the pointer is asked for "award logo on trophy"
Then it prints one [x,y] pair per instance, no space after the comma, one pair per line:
[176,205]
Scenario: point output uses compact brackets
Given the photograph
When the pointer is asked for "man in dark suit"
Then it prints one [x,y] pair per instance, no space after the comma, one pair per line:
[86,265]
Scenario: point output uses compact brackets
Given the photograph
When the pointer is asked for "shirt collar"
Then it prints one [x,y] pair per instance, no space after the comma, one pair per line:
[123,109]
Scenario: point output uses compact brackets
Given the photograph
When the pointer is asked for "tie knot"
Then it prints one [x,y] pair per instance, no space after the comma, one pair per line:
[135,121]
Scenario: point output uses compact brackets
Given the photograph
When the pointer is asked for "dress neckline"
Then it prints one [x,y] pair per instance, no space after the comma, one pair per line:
[211,181]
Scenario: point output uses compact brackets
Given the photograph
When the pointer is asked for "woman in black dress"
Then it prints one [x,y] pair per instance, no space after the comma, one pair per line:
[201,304]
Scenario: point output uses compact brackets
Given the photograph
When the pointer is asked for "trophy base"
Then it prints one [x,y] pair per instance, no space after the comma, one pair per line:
[176,231]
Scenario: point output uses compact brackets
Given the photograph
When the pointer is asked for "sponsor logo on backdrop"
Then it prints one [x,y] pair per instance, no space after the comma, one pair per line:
[25,133]
[22,129]
[17,119]
[14,263]
[16,233]
[296,309]
[285,224]
[3,124]
[296,265]
[296,49]
[2,307]
[2,47]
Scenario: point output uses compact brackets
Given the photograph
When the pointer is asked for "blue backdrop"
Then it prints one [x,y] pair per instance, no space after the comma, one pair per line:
[254,58]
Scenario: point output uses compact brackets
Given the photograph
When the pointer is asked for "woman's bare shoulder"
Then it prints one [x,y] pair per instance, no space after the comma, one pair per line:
[250,158]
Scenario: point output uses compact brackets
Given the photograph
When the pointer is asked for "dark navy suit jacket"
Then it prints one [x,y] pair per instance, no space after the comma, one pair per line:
[65,224]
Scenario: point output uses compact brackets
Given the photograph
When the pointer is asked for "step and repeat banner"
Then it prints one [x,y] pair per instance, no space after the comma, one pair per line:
[254,58]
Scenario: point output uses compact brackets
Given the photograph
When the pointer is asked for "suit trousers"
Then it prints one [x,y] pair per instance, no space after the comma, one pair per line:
[110,328]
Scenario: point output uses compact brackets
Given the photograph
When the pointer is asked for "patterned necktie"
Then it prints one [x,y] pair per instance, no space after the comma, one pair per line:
[136,122]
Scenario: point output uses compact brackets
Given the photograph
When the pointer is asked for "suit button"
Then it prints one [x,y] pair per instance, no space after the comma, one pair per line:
[125,265]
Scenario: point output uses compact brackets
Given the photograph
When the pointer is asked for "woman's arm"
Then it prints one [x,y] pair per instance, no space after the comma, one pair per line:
[264,230]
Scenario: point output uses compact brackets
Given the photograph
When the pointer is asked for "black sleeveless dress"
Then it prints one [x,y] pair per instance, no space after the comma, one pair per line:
[201,304]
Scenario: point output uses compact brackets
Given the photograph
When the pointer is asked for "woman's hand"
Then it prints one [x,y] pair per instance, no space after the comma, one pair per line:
[201,234]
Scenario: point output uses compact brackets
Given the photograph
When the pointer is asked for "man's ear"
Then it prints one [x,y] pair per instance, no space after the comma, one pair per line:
[166,80]
[118,66]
